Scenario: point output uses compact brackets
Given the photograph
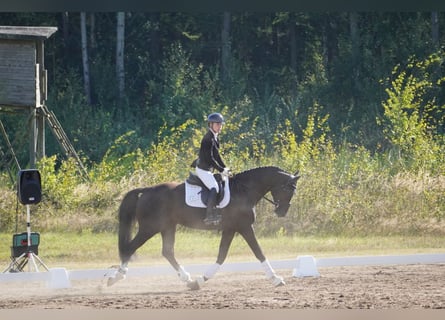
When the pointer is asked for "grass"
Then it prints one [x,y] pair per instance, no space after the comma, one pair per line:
[99,250]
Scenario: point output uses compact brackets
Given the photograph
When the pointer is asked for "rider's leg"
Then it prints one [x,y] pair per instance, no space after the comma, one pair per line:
[208,179]
[211,215]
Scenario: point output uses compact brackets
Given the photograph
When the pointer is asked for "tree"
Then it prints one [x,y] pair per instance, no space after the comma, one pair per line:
[435,29]
[355,39]
[293,42]
[225,47]
[120,42]
[86,68]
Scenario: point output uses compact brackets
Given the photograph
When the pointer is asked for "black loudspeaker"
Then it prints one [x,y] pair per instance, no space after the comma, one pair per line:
[29,187]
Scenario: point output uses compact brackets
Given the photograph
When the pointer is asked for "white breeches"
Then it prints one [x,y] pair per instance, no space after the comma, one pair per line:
[207,178]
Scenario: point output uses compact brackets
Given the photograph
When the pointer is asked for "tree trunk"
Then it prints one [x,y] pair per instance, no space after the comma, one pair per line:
[435,29]
[66,34]
[65,24]
[120,42]
[293,43]
[435,39]
[155,42]
[225,47]
[86,69]
[353,29]
[93,44]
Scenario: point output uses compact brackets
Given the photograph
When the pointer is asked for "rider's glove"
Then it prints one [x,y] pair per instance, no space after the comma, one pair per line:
[226,172]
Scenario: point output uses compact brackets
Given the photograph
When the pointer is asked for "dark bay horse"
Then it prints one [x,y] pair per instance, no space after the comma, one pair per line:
[162,207]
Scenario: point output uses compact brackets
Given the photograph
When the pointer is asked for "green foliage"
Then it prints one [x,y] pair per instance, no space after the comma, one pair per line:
[118,159]
[59,184]
[408,121]
[314,144]
[171,157]
[8,204]
[187,91]
[307,119]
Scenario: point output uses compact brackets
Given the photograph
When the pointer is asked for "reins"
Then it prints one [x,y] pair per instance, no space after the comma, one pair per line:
[271,201]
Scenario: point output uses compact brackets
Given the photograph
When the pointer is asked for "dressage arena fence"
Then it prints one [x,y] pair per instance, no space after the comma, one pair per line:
[302,266]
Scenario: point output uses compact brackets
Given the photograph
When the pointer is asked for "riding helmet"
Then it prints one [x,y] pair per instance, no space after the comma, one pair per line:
[215,117]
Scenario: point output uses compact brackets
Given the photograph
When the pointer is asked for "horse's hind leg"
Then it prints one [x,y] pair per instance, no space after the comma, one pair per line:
[133,245]
[140,238]
[168,243]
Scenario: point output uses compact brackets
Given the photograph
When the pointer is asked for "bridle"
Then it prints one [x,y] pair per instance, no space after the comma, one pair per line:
[283,186]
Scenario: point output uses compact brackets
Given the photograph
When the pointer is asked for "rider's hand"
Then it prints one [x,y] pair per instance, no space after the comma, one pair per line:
[226,172]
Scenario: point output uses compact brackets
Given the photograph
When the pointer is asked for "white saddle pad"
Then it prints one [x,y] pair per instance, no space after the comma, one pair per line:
[193,196]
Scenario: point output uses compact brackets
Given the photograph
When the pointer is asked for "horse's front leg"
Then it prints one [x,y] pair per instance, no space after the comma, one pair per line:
[168,243]
[249,235]
[224,245]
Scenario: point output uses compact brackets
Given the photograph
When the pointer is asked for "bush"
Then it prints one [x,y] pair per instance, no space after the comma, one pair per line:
[410,121]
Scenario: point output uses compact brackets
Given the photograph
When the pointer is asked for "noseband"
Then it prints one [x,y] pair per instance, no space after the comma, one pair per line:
[283,186]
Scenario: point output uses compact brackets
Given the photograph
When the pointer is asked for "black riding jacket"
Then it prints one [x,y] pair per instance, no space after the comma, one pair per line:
[209,157]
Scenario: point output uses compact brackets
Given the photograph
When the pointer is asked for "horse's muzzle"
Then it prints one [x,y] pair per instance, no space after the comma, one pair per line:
[281,209]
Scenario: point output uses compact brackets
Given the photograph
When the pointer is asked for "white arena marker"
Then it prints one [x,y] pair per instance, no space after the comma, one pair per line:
[59,279]
[306,267]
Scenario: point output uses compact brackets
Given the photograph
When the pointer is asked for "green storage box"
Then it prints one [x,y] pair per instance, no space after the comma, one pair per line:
[20,243]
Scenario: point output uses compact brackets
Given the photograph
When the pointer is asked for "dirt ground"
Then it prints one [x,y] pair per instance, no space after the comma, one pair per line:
[356,287]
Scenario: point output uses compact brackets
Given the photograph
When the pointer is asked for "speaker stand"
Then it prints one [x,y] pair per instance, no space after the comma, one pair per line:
[29,257]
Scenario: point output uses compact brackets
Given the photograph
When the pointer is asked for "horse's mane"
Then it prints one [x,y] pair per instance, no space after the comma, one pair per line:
[249,171]
[236,183]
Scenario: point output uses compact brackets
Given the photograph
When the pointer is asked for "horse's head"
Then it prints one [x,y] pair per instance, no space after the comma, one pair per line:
[283,193]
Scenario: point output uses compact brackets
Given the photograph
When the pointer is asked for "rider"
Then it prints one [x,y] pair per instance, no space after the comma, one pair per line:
[210,159]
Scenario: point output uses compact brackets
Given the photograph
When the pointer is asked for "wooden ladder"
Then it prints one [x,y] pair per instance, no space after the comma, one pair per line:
[8,158]
[62,138]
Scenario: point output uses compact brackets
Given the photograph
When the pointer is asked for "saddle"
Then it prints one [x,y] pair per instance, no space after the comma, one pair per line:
[196,193]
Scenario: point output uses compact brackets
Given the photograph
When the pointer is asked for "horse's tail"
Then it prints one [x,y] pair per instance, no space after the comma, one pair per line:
[127,216]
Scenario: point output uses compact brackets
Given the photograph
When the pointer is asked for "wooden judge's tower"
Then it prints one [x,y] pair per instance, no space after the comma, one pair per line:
[23,87]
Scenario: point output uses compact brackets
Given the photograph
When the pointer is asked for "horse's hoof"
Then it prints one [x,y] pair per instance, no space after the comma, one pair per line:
[197,284]
[280,284]
[278,281]
[116,278]
[193,285]
[111,281]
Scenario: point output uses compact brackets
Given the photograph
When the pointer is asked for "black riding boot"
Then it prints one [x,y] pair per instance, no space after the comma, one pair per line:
[211,215]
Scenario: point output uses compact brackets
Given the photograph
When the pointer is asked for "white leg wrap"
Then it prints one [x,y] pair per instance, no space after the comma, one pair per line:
[210,272]
[268,269]
[270,274]
[184,275]
[123,269]
[119,274]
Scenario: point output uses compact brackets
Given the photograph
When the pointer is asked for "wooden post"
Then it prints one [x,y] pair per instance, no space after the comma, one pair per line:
[35,134]
[40,149]
[41,96]
[32,138]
